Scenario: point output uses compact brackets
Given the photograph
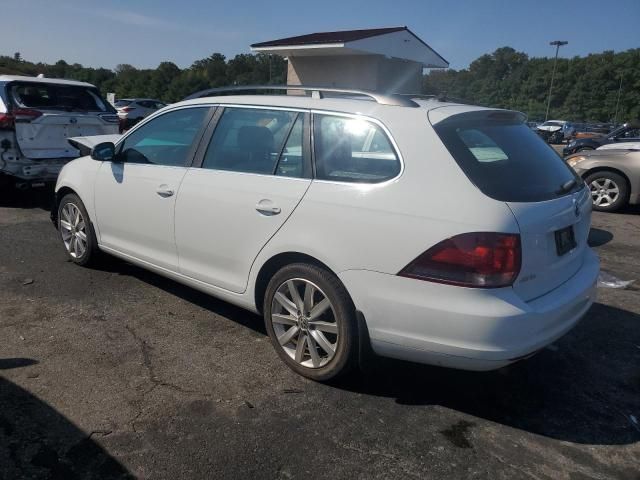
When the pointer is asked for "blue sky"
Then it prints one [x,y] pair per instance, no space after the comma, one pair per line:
[145,32]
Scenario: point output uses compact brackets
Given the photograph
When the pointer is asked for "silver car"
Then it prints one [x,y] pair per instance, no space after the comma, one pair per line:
[132,110]
[612,175]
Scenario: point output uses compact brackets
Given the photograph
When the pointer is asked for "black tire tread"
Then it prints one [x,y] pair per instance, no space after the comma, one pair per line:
[347,356]
[92,254]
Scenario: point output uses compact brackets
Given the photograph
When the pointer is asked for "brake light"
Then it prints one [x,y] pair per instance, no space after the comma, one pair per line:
[25,114]
[6,121]
[477,260]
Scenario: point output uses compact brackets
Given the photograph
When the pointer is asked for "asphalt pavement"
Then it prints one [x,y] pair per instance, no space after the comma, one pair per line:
[116,372]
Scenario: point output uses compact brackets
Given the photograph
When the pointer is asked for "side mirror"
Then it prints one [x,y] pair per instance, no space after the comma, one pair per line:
[104,152]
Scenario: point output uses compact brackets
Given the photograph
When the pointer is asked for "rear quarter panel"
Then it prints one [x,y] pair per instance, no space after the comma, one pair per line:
[382,227]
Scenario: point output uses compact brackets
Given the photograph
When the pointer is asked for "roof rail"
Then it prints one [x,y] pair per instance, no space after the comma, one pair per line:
[316,92]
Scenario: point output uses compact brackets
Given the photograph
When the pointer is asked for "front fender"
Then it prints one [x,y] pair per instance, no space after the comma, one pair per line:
[78,176]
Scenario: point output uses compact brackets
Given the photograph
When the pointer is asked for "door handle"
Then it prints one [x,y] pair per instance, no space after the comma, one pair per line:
[164,191]
[266,207]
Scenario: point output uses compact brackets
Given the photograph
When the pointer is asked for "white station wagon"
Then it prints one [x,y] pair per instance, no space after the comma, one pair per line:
[429,231]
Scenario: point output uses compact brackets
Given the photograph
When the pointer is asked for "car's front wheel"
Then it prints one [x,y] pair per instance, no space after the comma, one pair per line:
[311,322]
[76,230]
[609,191]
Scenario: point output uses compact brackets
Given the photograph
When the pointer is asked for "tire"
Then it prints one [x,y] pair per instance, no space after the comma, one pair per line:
[609,191]
[76,231]
[333,326]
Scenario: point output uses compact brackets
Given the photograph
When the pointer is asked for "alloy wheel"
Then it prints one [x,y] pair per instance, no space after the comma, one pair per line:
[305,323]
[604,192]
[73,229]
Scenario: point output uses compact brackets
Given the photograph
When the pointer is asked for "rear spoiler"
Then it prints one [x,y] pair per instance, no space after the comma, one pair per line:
[85,144]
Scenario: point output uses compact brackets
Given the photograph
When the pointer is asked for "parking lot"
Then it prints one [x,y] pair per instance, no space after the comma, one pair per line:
[116,372]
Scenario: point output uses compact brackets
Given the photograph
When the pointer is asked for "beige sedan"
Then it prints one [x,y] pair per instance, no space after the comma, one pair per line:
[613,176]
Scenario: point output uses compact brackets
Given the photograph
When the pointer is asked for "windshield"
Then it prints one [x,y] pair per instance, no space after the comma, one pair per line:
[69,98]
[505,159]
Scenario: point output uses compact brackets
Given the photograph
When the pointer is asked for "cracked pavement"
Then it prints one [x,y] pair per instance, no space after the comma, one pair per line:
[119,373]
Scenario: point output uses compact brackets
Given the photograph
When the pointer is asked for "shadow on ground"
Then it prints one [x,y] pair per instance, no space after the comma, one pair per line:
[584,389]
[40,197]
[238,315]
[36,441]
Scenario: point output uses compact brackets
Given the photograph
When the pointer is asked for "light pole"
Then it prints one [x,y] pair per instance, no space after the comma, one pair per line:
[557,44]
[615,117]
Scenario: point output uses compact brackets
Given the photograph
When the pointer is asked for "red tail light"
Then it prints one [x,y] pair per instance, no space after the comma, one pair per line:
[6,121]
[25,114]
[479,260]
[126,109]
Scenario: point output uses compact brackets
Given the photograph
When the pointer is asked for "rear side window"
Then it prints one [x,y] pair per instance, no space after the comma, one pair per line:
[257,141]
[164,140]
[70,98]
[504,158]
[352,150]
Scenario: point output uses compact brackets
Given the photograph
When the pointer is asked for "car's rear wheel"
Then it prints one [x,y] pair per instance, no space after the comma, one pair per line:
[609,191]
[76,230]
[311,322]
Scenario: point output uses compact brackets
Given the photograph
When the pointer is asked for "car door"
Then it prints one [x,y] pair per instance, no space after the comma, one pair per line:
[135,194]
[251,176]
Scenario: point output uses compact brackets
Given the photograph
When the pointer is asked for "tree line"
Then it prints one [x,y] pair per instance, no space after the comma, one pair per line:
[587,88]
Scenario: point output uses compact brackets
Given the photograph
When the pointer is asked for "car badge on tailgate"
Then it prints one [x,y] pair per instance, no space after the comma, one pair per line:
[73,120]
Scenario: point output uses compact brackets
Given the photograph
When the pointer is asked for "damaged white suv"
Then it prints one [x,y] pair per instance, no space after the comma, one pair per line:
[38,116]
[434,232]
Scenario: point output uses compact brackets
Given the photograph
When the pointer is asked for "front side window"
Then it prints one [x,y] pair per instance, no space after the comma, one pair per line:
[165,140]
[257,141]
[352,150]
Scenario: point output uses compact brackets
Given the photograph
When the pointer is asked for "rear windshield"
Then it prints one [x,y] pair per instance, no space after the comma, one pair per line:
[123,103]
[504,158]
[69,98]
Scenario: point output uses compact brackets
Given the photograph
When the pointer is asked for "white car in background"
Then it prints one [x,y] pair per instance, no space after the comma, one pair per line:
[430,231]
[37,117]
[132,110]
[557,130]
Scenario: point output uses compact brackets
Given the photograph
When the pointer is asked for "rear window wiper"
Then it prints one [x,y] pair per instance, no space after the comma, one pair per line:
[568,186]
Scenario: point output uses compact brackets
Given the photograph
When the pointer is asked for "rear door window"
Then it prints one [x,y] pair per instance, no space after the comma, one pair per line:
[260,141]
[69,98]
[504,158]
[352,150]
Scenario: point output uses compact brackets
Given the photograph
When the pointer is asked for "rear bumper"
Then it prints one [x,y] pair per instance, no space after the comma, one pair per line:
[46,170]
[470,329]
